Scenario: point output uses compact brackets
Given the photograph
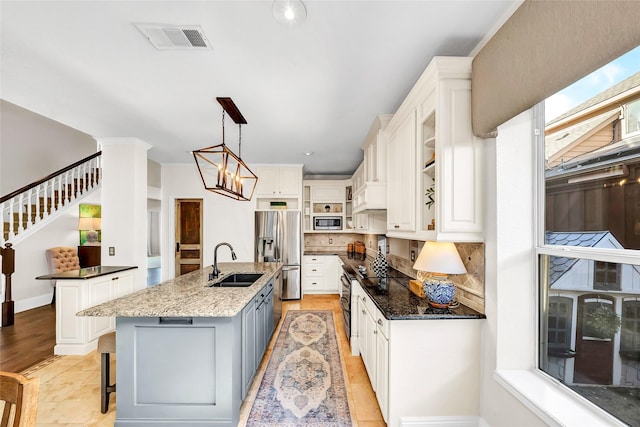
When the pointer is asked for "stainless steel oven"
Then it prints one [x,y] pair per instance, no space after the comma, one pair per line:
[345,299]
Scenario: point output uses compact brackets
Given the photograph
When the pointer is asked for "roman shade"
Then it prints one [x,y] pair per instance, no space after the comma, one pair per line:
[544,47]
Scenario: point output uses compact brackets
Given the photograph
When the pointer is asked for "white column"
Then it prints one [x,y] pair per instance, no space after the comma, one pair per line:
[124,204]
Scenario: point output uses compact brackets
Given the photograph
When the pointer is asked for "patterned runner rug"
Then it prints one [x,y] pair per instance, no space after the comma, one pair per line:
[303,384]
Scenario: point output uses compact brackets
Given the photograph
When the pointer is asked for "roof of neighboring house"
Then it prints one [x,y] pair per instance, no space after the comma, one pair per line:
[565,138]
[625,85]
[558,266]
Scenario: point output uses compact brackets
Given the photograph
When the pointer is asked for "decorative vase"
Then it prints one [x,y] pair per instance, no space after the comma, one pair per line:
[439,292]
[379,265]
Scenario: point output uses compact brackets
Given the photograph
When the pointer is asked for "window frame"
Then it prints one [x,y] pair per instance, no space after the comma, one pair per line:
[625,119]
[542,249]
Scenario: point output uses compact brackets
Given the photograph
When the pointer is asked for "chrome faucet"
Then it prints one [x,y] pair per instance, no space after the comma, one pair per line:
[216,272]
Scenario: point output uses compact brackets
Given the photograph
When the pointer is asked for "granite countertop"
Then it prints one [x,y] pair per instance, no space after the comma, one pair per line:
[189,296]
[86,273]
[394,299]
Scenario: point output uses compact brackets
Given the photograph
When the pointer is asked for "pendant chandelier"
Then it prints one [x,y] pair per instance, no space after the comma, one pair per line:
[221,170]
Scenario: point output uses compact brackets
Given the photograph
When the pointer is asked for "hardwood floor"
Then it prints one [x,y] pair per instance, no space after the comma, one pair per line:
[70,393]
[29,340]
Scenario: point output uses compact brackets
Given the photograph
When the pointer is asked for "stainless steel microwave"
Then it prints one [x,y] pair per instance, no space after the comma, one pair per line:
[327,223]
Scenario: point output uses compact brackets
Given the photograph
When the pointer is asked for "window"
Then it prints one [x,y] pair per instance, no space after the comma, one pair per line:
[630,338]
[605,276]
[559,331]
[588,241]
[632,117]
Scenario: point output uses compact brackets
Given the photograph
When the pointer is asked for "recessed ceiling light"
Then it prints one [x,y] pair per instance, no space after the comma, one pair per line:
[309,153]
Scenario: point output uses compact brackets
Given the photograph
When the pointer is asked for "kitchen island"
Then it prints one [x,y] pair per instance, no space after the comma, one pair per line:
[187,352]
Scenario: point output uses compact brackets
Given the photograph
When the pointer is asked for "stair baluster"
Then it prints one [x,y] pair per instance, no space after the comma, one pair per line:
[26,207]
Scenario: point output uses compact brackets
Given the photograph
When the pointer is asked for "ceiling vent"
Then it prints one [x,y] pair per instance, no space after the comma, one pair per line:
[172,37]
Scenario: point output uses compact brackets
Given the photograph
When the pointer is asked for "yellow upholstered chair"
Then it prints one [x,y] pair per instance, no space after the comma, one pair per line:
[61,259]
[20,397]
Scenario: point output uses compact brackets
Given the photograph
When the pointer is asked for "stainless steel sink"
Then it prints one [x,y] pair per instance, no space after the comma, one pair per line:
[237,280]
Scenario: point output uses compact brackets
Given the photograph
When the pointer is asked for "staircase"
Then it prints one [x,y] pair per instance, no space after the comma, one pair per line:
[32,206]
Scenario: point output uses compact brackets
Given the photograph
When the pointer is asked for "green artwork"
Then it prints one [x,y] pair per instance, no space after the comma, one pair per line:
[89,224]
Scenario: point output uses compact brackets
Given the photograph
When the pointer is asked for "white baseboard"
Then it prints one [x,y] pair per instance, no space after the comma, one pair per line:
[75,349]
[455,421]
[33,302]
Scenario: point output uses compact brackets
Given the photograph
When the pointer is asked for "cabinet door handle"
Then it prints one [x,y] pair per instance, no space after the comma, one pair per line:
[115,278]
[177,247]
[380,322]
[396,226]
[375,331]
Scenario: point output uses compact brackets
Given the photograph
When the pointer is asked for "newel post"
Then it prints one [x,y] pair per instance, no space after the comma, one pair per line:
[8,267]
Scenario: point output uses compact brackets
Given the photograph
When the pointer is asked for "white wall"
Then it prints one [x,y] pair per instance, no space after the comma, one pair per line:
[224,219]
[509,271]
[34,146]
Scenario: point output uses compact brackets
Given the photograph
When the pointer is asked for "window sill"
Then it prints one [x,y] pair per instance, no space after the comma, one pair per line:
[553,402]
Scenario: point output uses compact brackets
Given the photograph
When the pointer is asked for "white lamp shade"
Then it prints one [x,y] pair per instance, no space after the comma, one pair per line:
[439,257]
[89,224]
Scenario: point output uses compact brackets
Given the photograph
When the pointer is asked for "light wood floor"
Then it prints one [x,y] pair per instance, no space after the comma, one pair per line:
[70,385]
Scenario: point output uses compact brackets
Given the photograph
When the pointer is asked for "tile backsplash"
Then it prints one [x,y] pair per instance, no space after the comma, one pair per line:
[470,286]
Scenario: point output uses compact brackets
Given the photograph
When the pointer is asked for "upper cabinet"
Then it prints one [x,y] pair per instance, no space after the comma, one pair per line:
[434,167]
[325,199]
[369,181]
[279,184]
[401,181]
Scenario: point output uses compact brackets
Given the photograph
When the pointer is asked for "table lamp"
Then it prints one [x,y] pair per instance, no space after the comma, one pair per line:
[435,262]
[90,226]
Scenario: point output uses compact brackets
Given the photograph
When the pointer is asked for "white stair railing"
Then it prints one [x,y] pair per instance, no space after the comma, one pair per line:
[25,208]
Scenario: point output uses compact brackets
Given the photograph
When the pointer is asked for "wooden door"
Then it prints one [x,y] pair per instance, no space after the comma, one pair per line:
[188,229]
[594,354]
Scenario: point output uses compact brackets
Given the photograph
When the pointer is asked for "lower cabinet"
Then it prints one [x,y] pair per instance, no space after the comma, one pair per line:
[179,371]
[258,325]
[78,335]
[415,366]
[249,363]
[321,274]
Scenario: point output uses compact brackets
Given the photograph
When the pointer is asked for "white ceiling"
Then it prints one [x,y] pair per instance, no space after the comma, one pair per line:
[315,87]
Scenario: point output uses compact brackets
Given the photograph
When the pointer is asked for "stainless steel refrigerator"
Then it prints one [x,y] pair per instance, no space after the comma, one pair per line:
[278,237]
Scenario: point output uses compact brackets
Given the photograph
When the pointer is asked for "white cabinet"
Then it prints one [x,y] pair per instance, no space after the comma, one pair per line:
[278,181]
[370,179]
[401,177]
[328,192]
[321,274]
[370,223]
[78,335]
[373,345]
[325,198]
[446,163]
[424,375]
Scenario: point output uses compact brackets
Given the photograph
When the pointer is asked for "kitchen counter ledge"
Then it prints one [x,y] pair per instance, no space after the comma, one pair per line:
[393,297]
[189,296]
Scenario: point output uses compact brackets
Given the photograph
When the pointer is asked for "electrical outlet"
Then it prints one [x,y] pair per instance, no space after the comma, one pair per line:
[112,250]
[413,255]
[331,241]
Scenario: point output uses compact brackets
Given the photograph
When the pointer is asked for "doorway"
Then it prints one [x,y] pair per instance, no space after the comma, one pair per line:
[594,351]
[188,228]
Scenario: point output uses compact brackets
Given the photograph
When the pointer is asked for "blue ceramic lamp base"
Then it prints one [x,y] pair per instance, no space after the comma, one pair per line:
[439,290]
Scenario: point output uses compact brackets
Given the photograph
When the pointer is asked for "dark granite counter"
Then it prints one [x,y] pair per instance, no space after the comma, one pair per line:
[86,273]
[392,295]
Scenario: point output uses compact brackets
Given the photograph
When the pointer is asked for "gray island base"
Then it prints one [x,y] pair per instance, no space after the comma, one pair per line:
[187,353]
